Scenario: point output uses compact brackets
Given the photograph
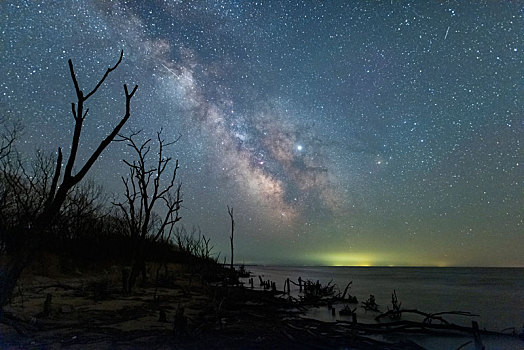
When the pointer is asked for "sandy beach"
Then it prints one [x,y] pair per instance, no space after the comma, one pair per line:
[89,311]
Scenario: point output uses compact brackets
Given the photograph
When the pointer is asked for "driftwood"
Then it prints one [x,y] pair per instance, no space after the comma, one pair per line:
[395,312]
[476,337]
[347,311]
[405,326]
[370,304]
[306,332]
[316,292]
[428,317]
[346,289]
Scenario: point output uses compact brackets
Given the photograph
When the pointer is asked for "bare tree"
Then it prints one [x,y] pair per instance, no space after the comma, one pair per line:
[230,211]
[58,194]
[9,132]
[26,187]
[85,205]
[62,182]
[143,191]
[194,244]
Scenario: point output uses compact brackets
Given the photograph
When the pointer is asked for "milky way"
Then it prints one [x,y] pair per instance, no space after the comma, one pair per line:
[342,132]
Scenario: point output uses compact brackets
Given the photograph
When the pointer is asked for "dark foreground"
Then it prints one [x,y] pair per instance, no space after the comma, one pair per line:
[90,312]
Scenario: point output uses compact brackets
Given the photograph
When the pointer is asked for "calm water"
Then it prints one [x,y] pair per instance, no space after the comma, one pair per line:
[496,294]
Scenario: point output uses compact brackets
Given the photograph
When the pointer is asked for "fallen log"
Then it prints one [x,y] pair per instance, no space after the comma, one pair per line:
[405,326]
[428,316]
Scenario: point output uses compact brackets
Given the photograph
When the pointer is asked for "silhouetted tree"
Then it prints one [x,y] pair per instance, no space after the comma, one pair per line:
[193,244]
[230,211]
[144,189]
[9,132]
[83,207]
[26,187]
[62,182]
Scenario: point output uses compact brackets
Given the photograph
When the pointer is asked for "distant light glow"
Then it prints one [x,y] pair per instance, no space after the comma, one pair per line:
[375,258]
[299,148]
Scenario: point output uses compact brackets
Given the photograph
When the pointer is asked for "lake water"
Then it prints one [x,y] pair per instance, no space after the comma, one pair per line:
[496,294]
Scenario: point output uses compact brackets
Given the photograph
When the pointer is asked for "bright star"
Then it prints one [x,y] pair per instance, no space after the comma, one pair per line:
[299,148]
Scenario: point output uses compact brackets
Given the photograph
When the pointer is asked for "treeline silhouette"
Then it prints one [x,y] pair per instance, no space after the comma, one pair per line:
[89,230]
[46,206]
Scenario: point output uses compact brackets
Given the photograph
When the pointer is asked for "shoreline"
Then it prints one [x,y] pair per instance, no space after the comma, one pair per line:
[216,316]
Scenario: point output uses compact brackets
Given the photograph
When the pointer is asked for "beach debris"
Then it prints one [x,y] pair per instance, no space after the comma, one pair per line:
[370,304]
[315,291]
[476,336]
[395,312]
[477,341]
[346,290]
[347,311]
[287,286]
[352,299]
[243,272]
[428,316]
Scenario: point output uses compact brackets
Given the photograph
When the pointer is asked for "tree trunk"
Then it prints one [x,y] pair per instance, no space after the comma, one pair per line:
[230,211]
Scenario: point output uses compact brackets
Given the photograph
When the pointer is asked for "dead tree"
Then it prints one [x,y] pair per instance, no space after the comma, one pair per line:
[83,208]
[62,181]
[143,191]
[58,194]
[26,188]
[8,135]
[230,211]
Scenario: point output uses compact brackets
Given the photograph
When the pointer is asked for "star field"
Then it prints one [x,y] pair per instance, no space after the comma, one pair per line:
[343,132]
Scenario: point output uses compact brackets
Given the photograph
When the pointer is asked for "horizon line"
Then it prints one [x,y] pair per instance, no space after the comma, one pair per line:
[382,266]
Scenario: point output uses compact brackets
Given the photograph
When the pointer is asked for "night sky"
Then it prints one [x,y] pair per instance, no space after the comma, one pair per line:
[342,132]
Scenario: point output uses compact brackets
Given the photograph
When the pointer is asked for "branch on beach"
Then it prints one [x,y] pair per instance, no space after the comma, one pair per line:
[428,316]
[405,326]
[370,304]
